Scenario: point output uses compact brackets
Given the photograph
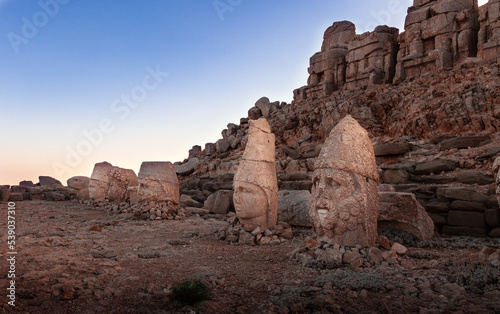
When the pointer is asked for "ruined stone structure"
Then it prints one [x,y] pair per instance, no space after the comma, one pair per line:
[489,33]
[371,58]
[111,183]
[255,182]
[343,206]
[438,34]
[328,67]
[158,182]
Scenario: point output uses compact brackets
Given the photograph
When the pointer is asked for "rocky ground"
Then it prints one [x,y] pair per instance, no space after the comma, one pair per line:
[73,259]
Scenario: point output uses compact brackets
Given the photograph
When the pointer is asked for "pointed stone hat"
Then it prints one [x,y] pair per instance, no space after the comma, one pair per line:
[257,164]
[349,148]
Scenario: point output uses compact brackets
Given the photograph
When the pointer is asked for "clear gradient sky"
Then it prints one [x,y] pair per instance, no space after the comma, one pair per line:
[127,81]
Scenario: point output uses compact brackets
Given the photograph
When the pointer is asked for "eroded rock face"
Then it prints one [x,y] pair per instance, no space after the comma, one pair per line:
[158,182]
[343,206]
[255,182]
[112,183]
[372,58]
[328,67]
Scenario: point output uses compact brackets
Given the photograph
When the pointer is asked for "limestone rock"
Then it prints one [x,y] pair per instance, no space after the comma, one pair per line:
[158,182]
[264,105]
[435,166]
[293,207]
[48,181]
[109,182]
[391,149]
[255,182]
[343,206]
[79,182]
[402,211]
[187,168]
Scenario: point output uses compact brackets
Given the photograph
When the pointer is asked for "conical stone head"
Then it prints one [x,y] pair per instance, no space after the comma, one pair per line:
[343,206]
[255,182]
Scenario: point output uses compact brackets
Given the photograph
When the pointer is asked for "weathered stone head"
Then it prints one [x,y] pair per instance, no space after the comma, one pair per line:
[255,182]
[112,183]
[158,182]
[343,206]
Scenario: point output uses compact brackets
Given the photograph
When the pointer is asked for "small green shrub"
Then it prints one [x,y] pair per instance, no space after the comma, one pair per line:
[191,292]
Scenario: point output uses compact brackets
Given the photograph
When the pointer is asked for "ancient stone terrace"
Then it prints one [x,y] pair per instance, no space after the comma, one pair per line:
[438,34]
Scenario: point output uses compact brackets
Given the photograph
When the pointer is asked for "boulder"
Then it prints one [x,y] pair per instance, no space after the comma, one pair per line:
[187,168]
[293,208]
[196,149]
[264,105]
[391,149]
[254,113]
[79,182]
[4,194]
[188,201]
[474,178]
[402,211]
[48,181]
[27,183]
[465,194]
[222,146]
[109,182]
[464,142]
[435,166]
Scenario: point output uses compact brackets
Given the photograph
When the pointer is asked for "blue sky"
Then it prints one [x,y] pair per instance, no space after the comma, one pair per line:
[189,68]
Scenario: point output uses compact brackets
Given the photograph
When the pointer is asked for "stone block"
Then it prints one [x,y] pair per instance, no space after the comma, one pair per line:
[15,197]
[186,168]
[438,207]
[395,176]
[466,219]
[439,219]
[465,194]
[465,231]
[474,178]
[492,217]
[48,181]
[467,206]
[435,166]
[464,142]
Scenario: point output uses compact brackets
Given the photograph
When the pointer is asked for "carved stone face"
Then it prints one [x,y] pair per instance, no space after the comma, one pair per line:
[250,200]
[337,205]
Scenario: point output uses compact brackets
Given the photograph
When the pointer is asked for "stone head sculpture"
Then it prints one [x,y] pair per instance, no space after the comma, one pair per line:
[344,202]
[255,182]
[158,182]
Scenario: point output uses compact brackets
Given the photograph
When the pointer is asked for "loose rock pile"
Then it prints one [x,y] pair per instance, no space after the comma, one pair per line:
[235,232]
[323,255]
